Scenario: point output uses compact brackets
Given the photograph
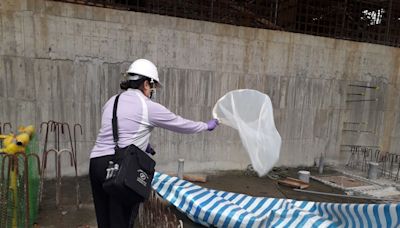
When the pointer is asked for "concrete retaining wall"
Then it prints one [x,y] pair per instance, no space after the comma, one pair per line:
[63,61]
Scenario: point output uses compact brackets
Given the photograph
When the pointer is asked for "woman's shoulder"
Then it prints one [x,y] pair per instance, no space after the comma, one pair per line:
[111,100]
[155,107]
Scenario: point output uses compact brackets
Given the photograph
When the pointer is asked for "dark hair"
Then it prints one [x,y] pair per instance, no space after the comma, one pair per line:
[133,84]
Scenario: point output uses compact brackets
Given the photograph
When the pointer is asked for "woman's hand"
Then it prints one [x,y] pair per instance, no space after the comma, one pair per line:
[212,124]
[150,150]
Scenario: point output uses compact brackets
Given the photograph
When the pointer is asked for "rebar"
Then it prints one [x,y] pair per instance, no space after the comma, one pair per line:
[362,100]
[364,21]
[392,160]
[58,155]
[76,126]
[6,203]
[15,189]
[48,124]
[59,174]
[364,155]
[398,169]
[155,213]
[58,129]
[339,195]
[353,160]
[43,173]
[70,137]
[364,86]
[26,189]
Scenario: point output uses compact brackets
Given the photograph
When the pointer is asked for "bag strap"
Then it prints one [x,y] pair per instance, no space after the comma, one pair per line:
[115,121]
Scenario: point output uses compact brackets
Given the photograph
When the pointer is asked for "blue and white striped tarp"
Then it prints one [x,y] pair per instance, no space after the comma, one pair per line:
[226,209]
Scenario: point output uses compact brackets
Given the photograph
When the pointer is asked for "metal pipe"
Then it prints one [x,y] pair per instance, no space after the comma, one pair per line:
[78,202]
[388,21]
[57,147]
[276,12]
[392,158]
[59,128]
[76,126]
[69,135]
[359,146]
[376,99]
[57,135]
[339,195]
[44,166]
[398,171]
[355,123]
[74,164]
[350,130]
[59,183]
[46,135]
[363,86]
[49,124]
[180,168]
[70,141]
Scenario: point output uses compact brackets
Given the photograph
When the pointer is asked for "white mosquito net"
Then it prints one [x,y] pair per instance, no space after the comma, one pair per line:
[250,112]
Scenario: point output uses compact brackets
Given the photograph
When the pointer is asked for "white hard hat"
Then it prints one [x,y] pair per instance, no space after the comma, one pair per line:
[143,67]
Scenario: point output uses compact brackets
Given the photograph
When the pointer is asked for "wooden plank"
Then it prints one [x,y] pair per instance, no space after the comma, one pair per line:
[195,178]
[294,183]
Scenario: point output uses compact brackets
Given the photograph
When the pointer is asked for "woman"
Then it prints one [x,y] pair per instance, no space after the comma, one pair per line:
[137,116]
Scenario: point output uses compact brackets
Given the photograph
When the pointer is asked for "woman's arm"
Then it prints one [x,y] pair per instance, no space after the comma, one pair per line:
[160,116]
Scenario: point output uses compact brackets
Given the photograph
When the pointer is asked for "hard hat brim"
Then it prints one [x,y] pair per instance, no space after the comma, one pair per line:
[134,77]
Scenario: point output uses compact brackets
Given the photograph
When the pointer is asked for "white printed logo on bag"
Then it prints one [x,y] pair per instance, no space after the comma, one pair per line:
[142,177]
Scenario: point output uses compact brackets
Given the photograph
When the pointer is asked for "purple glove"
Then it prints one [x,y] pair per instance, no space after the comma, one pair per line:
[150,150]
[212,124]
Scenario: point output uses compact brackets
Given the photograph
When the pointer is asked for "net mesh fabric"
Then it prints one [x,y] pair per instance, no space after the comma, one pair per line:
[250,112]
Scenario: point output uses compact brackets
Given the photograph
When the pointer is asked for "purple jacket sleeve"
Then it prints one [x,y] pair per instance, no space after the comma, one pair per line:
[160,116]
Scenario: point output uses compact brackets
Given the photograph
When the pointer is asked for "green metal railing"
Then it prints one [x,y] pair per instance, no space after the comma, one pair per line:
[19,187]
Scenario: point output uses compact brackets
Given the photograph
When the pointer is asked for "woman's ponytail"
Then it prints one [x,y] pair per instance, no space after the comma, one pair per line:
[133,84]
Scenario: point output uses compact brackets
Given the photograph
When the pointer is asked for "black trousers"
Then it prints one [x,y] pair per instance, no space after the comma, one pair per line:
[110,212]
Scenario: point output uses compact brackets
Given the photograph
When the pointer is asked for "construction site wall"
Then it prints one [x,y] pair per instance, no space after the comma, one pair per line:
[61,62]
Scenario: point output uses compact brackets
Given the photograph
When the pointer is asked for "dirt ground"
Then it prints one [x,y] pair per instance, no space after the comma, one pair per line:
[233,181]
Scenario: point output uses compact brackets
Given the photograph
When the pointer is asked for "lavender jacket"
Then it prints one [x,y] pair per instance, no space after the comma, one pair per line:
[137,116]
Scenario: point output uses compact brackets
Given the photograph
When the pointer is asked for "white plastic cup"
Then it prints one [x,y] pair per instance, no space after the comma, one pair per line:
[373,170]
[304,176]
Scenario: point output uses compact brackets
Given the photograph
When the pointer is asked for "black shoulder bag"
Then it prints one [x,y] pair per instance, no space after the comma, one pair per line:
[131,171]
